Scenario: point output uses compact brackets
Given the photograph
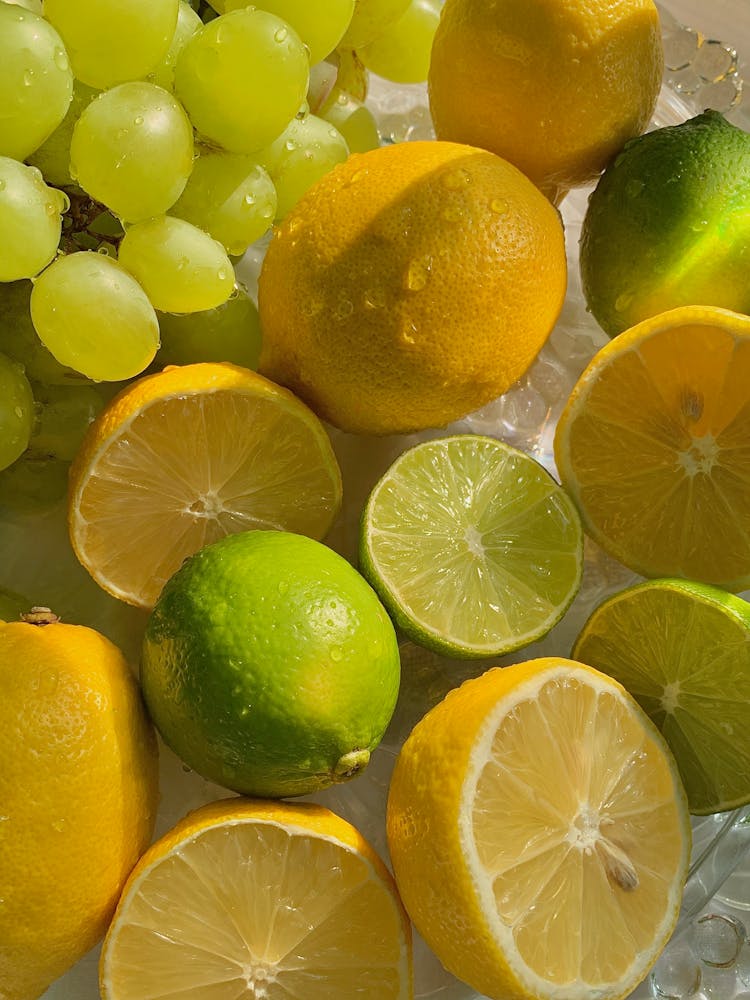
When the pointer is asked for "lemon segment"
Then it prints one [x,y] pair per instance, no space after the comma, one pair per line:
[267,900]
[539,834]
[472,546]
[654,446]
[187,456]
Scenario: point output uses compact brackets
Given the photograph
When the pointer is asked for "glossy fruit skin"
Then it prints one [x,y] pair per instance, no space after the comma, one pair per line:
[79,789]
[554,86]
[411,285]
[269,665]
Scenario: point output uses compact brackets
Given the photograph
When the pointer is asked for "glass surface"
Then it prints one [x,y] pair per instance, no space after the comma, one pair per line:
[709,956]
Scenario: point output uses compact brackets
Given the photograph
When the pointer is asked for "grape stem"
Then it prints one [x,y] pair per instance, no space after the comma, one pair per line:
[87,225]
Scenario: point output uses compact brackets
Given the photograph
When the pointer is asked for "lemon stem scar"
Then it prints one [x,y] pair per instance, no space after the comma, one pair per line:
[40,616]
[351,764]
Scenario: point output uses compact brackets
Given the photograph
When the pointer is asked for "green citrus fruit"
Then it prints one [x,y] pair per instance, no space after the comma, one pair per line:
[473,547]
[682,649]
[269,665]
[669,224]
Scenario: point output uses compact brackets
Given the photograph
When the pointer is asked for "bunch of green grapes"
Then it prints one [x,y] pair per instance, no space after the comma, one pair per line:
[144,147]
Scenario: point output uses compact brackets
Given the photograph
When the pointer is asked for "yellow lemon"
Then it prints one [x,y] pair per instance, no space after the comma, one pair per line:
[411,285]
[78,789]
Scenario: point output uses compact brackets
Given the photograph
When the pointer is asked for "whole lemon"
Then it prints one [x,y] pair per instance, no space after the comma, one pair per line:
[411,285]
[269,665]
[555,86]
[78,791]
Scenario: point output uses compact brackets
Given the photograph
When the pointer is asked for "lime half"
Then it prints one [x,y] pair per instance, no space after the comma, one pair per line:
[682,650]
[472,546]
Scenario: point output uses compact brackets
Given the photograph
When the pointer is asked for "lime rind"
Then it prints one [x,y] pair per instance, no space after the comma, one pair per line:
[472,546]
[682,649]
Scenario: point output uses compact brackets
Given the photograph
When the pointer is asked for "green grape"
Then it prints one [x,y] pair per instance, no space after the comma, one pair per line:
[242,79]
[30,220]
[402,52]
[53,156]
[111,42]
[36,83]
[94,317]
[307,149]
[231,197]
[188,23]
[33,484]
[16,411]
[321,26]
[132,150]
[63,415]
[353,120]
[12,605]
[229,333]
[182,269]
[370,19]
[19,340]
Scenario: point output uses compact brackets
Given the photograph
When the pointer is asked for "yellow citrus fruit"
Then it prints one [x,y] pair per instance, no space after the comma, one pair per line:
[555,86]
[539,833]
[272,900]
[411,285]
[78,791]
[184,457]
[654,446]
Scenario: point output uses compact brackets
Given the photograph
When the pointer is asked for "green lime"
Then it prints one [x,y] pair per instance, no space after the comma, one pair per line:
[269,665]
[472,546]
[682,649]
[669,224]
[12,605]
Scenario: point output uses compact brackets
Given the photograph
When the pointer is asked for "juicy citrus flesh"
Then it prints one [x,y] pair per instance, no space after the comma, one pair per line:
[654,447]
[495,66]
[472,545]
[79,792]
[413,284]
[187,456]
[262,901]
[539,834]
[683,651]
[667,225]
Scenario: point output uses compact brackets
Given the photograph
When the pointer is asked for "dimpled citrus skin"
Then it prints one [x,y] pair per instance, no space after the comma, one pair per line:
[269,665]
[78,787]
[555,86]
[410,286]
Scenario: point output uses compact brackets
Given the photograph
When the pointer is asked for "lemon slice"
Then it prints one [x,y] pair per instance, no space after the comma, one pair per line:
[248,898]
[539,834]
[683,651]
[654,446]
[472,546]
[186,456]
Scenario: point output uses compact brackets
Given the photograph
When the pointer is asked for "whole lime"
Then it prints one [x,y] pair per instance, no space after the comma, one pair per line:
[668,225]
[269,665]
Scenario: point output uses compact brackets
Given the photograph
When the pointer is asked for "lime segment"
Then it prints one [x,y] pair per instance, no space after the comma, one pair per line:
[683,651]
[472,546]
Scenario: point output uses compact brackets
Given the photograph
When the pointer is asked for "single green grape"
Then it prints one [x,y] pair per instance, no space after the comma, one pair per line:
[132,150]
[242,79]
[19,340]
[32,485]
[36,83]
[182,269]
[402,52]
[188,23]
[16,411]
[307,149]
[30,220]
[95,317]
[231,332]
[53,156]
[63,415]
[353,120]
[370,19]
[321,26]
[111,42]
[231,197]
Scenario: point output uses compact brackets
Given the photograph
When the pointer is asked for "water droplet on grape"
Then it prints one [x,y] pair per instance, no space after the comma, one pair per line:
[623,301]
[61,59]
[2,184]
[249,199]
[221,274]
[337,653]
[281,34]
[291,145]
[28,77]
[138,120]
